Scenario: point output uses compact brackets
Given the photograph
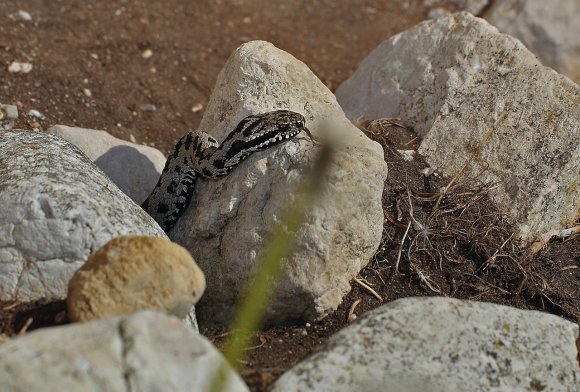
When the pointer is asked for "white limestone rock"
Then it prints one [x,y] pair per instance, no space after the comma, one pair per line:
[461,84]
[229,220]
[134,168]
[549,29]
[443,345]
[145,351]
[56,208]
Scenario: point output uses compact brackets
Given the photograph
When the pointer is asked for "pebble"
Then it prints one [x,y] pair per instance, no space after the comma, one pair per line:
[87,92]
[407,155]
[23,15]
[197,107]
[148,107]
[11,111]
[428,171]
[18,67]
[147,53]
[8,113]
[36,114]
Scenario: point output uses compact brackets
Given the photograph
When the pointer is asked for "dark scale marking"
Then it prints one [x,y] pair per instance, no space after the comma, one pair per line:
[177,148]
[198,154]
[162,208]
[218,164]
[248,126]
[172,187]
[188,141]
[237,146]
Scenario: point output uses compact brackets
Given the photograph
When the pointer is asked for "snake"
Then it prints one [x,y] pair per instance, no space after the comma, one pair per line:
[199,155]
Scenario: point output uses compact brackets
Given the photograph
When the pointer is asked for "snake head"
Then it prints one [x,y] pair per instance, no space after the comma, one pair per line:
[258,132]
[292,123]
[272,127]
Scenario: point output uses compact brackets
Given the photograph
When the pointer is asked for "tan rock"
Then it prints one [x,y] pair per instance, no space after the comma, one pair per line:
[132,273]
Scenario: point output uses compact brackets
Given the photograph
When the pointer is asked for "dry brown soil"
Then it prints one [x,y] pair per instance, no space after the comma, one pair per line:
[89,70]
[82,46]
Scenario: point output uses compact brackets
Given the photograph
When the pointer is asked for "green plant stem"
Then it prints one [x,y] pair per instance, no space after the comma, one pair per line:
[258,293]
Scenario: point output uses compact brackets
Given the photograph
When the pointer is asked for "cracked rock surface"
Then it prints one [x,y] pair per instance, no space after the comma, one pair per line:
[145,351]
[479,98]
[443,345]
[227,224]
[56,209]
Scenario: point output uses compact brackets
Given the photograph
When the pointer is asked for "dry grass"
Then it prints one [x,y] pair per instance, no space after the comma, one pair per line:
[448,238]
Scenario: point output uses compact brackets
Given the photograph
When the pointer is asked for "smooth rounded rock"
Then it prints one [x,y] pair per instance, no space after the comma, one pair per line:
[134,168]
[133,273]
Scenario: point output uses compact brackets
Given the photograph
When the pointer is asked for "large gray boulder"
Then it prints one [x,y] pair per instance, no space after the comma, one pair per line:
[134,168]
[56,208]
[480,97]
[228,223]
[145,351]
[443,345]
[549,29]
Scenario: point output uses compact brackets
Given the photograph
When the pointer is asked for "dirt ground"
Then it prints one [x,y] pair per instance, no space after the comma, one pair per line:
[461,246]
[91,66]
[144,70]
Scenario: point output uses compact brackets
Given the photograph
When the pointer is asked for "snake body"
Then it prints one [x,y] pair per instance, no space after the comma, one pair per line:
[197,154]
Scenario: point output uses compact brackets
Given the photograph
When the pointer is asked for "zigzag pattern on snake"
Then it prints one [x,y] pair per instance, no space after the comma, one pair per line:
[197,154]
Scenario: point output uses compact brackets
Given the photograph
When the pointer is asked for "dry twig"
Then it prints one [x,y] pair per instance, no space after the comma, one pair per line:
[25,327]
[546,237]
[401,247]
[368,288]
[351,315]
